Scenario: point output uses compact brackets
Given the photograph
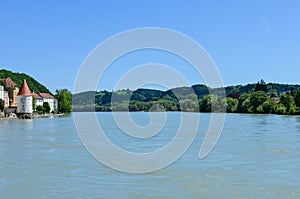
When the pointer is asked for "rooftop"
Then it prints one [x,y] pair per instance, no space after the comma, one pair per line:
[24,90]
[9,83]
[46,95]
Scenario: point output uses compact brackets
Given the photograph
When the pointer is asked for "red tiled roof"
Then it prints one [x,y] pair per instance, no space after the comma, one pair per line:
[24,90]
[42,95]
[9,83]
[36,95]
[46,95]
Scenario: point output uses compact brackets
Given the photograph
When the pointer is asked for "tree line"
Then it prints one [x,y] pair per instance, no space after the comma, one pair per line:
[260,98]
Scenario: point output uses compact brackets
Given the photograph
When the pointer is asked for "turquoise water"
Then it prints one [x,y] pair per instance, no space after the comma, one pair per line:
[257,156]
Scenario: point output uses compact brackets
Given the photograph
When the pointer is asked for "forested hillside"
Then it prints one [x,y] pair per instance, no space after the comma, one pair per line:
[18,78]
[241,98]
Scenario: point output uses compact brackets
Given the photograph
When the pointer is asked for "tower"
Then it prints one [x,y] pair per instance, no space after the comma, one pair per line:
[24,99]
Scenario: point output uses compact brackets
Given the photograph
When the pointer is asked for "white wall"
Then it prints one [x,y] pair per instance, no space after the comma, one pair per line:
[38,102]
[53,103]
[24,104]
[1,92]
[50,102]
[6,99]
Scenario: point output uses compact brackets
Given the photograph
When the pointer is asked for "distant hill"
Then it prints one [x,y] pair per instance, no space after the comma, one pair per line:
[101,101]
[18,78]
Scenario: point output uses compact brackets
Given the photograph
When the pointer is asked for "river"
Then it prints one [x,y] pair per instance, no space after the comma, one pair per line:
[257,156]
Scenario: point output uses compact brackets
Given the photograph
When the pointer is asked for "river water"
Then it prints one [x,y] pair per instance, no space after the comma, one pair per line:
[257,156]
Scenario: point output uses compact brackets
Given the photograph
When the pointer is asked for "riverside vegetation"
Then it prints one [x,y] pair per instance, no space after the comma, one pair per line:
[259,98]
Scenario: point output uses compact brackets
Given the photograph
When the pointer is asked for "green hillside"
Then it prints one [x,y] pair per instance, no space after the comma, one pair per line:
[18,78]
[144,99]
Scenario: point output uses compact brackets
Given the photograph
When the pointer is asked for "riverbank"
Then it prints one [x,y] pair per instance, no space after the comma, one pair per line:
[34,115]
[50,115]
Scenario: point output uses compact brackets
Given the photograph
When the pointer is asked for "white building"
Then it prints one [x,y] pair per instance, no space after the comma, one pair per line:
[4,96]
[46,97]
[1,92]
[6,99]
[24,99]
[50,99]
[38,99]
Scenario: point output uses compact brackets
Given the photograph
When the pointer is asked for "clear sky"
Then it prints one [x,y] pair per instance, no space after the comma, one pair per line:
[248,40]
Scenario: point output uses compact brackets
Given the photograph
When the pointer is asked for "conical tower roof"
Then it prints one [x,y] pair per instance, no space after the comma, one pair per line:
[24,90]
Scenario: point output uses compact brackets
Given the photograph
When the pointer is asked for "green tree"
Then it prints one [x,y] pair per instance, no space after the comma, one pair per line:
[41,109]
[257,99]
[268,106]
[134,106]
[33,103]
[293,110]
[47,107]
[169,105]
[210,103]
[230,104]
[297,98]
[246,106]
[241,100]
[190,104]
[64,98]
[1,105]
[280,109]
[261,86]
[292,91]
[287,100]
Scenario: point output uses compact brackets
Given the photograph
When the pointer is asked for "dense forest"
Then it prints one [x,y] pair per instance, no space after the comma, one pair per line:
[251,98]
[18,78]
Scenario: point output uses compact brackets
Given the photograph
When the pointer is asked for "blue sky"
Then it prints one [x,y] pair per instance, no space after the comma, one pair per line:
[248,40]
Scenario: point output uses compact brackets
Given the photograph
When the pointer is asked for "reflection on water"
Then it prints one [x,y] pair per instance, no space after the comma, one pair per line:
[257,156]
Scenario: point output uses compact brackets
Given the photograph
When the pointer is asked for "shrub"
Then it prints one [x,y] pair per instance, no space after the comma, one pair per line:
[41,109]
[280,109]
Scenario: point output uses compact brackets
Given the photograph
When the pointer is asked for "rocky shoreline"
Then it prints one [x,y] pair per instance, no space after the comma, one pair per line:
[32,116]
[49,115]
